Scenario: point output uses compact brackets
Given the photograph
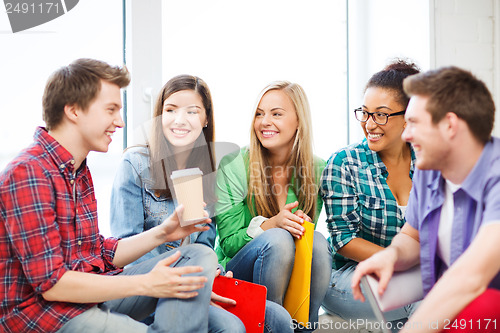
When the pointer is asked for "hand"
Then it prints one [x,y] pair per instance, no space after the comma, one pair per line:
[172,229]
[302,215]
[381,264]
[164,281]
[288,220]
[217,298]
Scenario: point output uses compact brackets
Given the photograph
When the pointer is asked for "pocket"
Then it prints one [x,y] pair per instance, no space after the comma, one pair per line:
[371,202]
[157,206]
[373,214]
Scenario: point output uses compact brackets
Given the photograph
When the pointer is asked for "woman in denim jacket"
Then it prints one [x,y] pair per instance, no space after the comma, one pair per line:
[182,137]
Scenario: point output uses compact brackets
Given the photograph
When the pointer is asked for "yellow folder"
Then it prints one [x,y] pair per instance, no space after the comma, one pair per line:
[297,297]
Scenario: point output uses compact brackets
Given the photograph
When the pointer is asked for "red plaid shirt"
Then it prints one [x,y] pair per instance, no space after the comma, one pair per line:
[48,225]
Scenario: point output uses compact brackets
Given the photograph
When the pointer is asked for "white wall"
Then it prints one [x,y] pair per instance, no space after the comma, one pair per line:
[465,33]
[434,33]
[380,30]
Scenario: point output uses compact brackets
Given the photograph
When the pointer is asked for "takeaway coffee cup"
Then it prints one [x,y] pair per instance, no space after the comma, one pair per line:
[188,187]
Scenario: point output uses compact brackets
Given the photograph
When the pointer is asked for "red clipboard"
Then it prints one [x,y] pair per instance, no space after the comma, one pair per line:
[250,301]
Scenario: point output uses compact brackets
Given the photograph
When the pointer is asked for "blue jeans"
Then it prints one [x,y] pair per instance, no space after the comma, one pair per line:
[172,314]
[340,301]
[268,260]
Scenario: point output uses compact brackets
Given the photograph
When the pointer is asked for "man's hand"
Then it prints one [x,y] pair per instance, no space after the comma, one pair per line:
[172,229]
[381,264]
[164,281]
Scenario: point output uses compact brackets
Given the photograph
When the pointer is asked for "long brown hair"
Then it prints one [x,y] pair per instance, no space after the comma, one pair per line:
[161,153]
[301,161]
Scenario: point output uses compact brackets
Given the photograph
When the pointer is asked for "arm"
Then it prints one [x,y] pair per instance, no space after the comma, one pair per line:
[402,254]
[287,220]
[292,220]
[126,208]
[233,216]
[161,282]
[343,212]
[132,248]
[127,216]
[359,249]
[464,281]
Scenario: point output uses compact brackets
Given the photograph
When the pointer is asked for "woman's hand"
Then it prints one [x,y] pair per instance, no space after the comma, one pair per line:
[287,220]
[302,215]
[172,229]
[217,298]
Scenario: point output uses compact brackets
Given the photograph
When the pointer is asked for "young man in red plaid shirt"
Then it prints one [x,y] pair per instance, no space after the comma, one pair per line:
[57,274]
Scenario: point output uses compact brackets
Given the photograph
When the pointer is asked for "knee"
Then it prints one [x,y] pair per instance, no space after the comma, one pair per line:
[279,241]
[220,320]
[321,252]
[233,324]
[277,318]
[200,255]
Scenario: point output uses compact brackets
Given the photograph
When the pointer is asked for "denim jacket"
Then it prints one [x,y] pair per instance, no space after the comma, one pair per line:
[135,207]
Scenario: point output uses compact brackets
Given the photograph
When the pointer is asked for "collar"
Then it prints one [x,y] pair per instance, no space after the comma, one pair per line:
[61,157]
[474,182]
[375,162]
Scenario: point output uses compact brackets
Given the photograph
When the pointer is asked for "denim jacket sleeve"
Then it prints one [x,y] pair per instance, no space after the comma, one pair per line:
[127,211]
[128,216]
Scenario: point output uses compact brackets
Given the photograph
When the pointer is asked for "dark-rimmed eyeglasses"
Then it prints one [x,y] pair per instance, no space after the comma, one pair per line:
[380,118]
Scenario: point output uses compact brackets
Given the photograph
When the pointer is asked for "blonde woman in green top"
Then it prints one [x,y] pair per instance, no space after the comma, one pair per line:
[266,192]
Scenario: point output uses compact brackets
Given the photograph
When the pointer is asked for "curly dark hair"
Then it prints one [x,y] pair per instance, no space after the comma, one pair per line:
[391,78]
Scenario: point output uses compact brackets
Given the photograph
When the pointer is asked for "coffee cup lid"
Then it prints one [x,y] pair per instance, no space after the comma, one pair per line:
[186,172]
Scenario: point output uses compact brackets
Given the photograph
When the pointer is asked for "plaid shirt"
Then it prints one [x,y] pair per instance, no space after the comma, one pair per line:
[48,225]
[358,201]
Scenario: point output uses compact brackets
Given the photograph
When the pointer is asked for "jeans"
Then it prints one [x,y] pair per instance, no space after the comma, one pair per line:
[172,314]
[268,260]
[340,301]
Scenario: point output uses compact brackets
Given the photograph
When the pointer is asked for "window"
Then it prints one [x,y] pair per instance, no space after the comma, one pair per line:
[240,47]
[91,29]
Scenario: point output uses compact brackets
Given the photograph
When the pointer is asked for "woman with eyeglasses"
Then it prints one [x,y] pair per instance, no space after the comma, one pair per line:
[366,186]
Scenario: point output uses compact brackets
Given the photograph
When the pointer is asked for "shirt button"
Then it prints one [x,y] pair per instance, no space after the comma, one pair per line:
[77,210]
[79,242]
[71,181]
[72,162]
[62,166]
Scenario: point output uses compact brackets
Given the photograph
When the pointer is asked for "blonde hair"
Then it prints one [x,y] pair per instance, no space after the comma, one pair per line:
[301,159]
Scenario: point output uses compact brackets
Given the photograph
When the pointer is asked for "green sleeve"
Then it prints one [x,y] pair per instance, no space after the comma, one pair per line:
[233,215]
